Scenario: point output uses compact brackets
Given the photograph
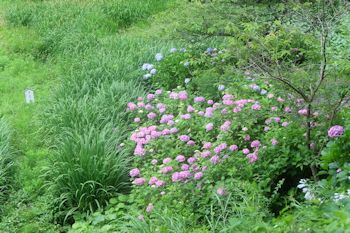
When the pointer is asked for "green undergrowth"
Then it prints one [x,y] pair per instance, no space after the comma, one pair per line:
[81,59]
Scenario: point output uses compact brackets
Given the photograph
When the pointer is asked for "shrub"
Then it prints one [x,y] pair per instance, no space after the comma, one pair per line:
[188,148]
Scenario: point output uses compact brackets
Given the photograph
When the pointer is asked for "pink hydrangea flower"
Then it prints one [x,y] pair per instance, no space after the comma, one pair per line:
[150,96]
[185,174]
[210,102]
[256,106]
[201,113]
[139,150]
[173,95]
[139,181]
[226,126]
[160,183]
[191,142]
[247,137]
[274,141]
[141,104]
[220,148]
[185,167]
[191,160]
[207,145]
[190,108]
[335,131]
[209,126]
[173,130]
[266,128]
[279,99]
[277,119]
[166,160]
[274,108]
[233,148]
[215,159]
[175,177]
[132,106]
[186,116]
[180,158]
[198,175]
[158,92]
[285,124]
[252,158]
[148,107]
[149,208]
[137,120]
[245,151]
[152,180]
[199,99]
[270,95]
[154,161]
[205,154]
[237,109]
[287,109]
[166,170]
[302,112]
[151,115]
[134,172]
[184,138]
[255,144]
[182,95]
[221,191]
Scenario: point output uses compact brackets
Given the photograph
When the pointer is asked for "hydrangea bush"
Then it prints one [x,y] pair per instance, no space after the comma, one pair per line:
[188,148]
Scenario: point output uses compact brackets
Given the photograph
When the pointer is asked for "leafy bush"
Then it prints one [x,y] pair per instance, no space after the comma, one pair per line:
[222,142]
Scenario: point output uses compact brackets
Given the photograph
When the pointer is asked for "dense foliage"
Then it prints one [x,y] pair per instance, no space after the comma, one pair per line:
[176,116]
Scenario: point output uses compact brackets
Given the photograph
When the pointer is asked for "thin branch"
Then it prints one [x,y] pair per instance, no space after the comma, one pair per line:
[280,79]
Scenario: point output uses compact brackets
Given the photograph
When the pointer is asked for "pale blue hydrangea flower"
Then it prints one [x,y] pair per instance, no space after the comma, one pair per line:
[173,50]
[187,80]
[147,76]
[263,92]
[210,50]
[186,64]
[153,71]
[221,87]
[144,66]
[183,50]
[147,66]
[159,57]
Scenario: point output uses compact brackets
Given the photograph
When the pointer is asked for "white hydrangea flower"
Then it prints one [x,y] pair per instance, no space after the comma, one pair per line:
[153,71]
[147,76]
[159,57]
[187,80]
[221,87]
[186,64]
[263,92]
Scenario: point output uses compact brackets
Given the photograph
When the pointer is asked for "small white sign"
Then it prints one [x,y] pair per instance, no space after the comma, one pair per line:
[29,95]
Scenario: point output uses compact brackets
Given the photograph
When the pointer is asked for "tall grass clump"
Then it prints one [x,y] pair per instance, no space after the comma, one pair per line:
[6,160]
[87,170]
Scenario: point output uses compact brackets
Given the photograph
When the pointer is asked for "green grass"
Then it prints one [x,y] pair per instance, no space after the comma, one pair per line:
[6,160]
[88,53]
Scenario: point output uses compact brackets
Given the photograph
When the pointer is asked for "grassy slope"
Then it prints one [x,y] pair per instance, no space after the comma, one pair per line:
[26,210]
[18,71]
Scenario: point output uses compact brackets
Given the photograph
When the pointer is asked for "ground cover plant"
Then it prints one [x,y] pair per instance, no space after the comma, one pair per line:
[176,116]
